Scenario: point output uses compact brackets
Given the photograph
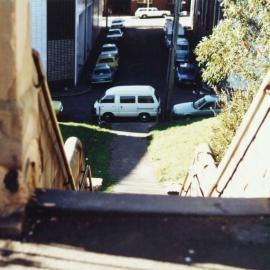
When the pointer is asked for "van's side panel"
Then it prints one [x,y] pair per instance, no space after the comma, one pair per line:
[110,107]
[127,105]
[145,106]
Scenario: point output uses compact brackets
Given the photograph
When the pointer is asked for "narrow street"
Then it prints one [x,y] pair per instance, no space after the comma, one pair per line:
[143,61]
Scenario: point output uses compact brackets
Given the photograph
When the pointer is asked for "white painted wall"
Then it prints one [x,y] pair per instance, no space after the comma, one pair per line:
[83,34]
[39,28]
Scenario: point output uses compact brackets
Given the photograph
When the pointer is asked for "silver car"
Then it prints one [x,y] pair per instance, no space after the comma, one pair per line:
[205,106]
[114,34]
[110,48]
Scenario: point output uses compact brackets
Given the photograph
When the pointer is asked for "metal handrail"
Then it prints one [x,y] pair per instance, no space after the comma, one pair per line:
[86,176]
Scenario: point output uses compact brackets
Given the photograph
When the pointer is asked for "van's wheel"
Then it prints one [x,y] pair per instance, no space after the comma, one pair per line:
[164,15]
[107,117]
[144,117]
[144,16]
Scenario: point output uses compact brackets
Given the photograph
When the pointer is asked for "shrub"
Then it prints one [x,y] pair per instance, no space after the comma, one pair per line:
[229,120]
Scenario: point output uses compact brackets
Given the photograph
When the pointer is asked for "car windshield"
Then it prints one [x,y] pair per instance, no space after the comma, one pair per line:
[107,49]
[114,32]
[182,47]
[197,104]
[105,60]
[187,70]
[102,71]
[117,21]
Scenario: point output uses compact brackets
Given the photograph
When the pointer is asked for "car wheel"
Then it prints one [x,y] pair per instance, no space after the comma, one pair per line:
[108,117]
[188,116]
[144,117]
[144,16]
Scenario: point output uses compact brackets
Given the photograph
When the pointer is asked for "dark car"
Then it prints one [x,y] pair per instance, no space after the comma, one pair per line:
[102,74]
[186,73]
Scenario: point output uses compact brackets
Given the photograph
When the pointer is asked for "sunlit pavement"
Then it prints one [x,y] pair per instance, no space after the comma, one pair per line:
[132,21]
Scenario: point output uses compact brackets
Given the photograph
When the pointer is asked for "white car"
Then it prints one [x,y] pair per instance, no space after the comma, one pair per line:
[115,34]
[110,48]
[146,12]
[205,106]
[118,23]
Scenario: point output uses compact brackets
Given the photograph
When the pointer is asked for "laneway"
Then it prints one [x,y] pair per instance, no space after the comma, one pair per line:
[131,164]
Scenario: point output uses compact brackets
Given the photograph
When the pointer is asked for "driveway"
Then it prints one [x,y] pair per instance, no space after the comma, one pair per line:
[131,164]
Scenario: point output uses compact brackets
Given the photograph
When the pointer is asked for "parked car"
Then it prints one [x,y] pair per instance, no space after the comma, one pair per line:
[108,59]
[114,34]
[186,73]
[182,50]
[110,48]
[128,101]
[118,23]
[169,32]
[146,12]
[167,24]
[58,107]
[102,74]
[205,106]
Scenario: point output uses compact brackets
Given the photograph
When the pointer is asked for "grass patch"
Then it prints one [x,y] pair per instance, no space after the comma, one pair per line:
[172,146]
[97,147]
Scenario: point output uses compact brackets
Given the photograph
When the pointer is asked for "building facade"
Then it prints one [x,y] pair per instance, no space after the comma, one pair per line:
[205,15]
[128,7]
[63,32]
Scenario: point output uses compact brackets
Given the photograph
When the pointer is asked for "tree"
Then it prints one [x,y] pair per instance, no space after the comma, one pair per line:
[239,46]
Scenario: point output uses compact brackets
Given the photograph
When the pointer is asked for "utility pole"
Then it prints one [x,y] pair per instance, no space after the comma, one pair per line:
[171,61]
[107,13]
[148,3]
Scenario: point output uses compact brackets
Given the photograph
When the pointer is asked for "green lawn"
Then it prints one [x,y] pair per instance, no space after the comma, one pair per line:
[97,147]
[172,146]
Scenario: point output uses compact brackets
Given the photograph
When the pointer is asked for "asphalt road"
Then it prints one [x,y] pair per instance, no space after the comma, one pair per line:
[143,61]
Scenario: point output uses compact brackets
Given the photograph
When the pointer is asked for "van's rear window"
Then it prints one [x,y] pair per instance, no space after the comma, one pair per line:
[145,99]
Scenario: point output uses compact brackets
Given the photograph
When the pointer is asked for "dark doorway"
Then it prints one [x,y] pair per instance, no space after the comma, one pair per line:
[119,7]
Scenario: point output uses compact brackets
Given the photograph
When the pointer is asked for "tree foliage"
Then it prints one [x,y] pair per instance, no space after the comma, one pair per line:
[239,45]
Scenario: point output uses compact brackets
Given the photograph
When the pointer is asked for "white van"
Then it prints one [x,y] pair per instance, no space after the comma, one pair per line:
[128,101]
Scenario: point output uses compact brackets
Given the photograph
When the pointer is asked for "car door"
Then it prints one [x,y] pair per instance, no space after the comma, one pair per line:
[146,104]
[108,104]
[127,106]
[207,109]
[152,12]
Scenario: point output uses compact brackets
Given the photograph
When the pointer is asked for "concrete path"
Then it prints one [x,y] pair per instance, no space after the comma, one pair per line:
[131,164]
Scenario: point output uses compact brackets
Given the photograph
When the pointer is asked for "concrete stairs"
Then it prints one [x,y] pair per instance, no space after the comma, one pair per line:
[71,230]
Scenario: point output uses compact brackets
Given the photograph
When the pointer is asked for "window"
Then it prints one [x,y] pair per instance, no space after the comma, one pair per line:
[182,47]
[107,49]
[145,99]
[127,99]
[102,71]
[106,60]
[208,105]
[107,99]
